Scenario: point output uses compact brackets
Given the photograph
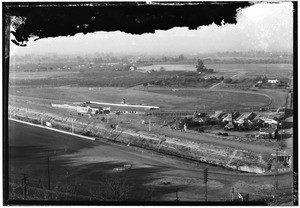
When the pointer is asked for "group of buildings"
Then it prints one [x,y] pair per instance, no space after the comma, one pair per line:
[266,126]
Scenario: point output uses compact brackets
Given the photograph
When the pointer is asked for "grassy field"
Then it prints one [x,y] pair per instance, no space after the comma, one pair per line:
[39,75]
[228,70]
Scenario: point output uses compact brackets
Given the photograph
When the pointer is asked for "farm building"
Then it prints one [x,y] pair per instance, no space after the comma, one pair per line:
[283,158]
[230,117]
[270,122]
[267,134]
[131,112]
[200,115]
[281,110]
[89,110]
[273,81]
[249,116]
[219,115]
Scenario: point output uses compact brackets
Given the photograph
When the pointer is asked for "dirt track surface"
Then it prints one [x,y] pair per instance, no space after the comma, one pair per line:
[193,99]
[85,161]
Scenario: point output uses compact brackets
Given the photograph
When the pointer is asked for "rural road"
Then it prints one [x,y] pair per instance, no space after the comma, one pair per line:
[23,135]
[88,159]
[236,75]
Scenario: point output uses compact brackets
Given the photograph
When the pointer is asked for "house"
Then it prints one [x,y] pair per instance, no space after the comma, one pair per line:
[273,81]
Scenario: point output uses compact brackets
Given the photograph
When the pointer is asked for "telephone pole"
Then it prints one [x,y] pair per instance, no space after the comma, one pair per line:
[177,198]
[24,182]
[205,174]
[276,176]
[72,127]
[149,125]
[48,165]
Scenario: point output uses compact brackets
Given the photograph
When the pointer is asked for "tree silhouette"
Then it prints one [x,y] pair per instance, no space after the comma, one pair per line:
[200,66]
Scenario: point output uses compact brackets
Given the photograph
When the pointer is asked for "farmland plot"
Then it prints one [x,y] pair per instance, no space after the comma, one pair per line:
[228,70]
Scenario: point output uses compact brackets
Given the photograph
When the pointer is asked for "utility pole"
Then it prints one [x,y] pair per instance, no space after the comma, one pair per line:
[177,198]
[281,130]
[107,118]
[24,182]
[276,176]
[48,165]
[205,174]
[276,184]
[149,125]
[42,121]
[72,127]
[232,193]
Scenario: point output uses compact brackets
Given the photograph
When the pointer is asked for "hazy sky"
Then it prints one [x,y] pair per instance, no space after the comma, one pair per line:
[263,26]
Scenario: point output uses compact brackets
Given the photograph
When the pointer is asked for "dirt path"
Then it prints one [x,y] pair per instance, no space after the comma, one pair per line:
[236,75]
[255,147]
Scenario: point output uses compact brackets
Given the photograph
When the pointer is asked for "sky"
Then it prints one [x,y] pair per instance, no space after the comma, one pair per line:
[261,27]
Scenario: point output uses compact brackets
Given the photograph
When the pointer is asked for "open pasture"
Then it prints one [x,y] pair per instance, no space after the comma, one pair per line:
[169,67]
[228,70]
[165,98]
[39,75]
[219,100]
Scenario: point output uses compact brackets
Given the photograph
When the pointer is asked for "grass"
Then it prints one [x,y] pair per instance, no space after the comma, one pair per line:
[39,75]
[228,70]
[166,98]
[111,78]
[212,100]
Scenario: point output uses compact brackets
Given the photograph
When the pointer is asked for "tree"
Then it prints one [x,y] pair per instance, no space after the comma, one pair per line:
[228,80]
[210,70]
[221,78]
[200,66]
[264,79]
[181,57]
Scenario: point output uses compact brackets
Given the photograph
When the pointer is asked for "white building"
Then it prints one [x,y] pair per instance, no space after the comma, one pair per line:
[273,81]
